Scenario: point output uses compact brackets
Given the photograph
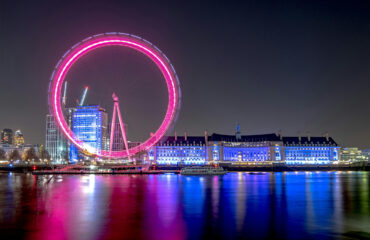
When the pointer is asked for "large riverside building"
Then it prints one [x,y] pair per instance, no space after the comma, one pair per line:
[90,126]
[248,148]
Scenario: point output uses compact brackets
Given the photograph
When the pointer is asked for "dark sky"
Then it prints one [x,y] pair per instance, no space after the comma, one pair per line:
[269,65]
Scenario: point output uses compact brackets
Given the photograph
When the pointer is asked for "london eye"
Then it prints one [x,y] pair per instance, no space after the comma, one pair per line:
[89,44]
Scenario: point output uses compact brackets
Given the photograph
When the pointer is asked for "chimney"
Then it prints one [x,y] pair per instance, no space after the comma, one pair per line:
[299,136]
[280,135]
[185,136]
[206,136]
[308,136]
[175,136]
[327,136]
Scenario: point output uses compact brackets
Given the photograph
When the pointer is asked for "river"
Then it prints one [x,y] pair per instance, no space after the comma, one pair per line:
[240,205]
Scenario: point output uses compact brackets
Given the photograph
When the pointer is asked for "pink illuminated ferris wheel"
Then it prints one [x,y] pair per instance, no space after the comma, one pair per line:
[115,39]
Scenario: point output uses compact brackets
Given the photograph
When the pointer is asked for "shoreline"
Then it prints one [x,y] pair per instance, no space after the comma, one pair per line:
[163,169]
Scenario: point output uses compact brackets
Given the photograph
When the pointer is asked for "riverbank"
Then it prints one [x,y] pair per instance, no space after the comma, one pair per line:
[281,167]
[82,172]
[161,169]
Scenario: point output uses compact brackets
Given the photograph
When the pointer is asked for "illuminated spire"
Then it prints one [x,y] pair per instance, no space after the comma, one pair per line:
[237,133]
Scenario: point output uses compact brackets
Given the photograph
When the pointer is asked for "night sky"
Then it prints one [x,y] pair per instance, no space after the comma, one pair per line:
[269,65]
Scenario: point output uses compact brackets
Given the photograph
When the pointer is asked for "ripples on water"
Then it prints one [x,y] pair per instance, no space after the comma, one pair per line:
[300,205]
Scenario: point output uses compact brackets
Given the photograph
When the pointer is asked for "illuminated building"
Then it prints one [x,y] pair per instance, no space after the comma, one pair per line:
[219,148]
[353,154]
[238,148]
[310,150]
[180,150]
[56,144]
[7,136]
[9,148]
[18,138]
[366,153]
[90,126]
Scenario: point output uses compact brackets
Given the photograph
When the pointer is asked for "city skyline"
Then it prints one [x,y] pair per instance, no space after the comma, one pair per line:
[309,74]
[185,119]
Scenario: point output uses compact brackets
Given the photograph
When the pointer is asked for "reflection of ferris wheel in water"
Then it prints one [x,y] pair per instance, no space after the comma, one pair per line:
[115,39]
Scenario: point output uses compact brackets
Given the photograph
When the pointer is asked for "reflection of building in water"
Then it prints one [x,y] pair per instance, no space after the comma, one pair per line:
[245,148]
[354,154]
[240,202]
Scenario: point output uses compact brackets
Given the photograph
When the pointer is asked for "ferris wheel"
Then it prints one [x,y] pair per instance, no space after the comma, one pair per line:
[115,39]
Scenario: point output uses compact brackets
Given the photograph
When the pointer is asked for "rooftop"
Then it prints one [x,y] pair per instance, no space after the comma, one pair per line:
[271,137]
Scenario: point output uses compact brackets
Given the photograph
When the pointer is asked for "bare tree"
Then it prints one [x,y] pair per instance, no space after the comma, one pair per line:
[43,153]
[30,154]
[14,155]
[2,154]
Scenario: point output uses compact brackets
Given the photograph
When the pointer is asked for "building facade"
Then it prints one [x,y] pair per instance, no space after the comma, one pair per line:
[55,144]
[18,138]
[310,150]
[9,148]
[180,150]
[90,126]
[7,136]
[238,148]
[354,154]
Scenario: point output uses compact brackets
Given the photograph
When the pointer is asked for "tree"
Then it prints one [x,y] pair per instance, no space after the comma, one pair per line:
[64,155]
[43,153]
[2,154]
[14,155]
[30,154]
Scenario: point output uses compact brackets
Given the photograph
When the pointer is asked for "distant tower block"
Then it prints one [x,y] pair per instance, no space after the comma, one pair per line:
[116,109]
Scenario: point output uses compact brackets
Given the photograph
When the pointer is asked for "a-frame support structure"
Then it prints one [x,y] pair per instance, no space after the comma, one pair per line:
[116,109]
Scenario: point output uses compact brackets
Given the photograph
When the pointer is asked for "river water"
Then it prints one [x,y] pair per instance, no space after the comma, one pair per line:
[293,205]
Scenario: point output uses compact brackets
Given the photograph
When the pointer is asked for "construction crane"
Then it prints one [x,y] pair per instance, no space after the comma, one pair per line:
[84,96]
[65,94]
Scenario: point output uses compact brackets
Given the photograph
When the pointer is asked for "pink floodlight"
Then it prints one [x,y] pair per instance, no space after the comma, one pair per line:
[115,39]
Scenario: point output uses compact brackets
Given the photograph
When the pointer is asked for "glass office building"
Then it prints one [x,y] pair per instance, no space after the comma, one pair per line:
[56,144]
[90,126]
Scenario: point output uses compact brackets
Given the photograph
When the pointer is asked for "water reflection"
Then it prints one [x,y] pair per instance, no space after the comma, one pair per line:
[237,205]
